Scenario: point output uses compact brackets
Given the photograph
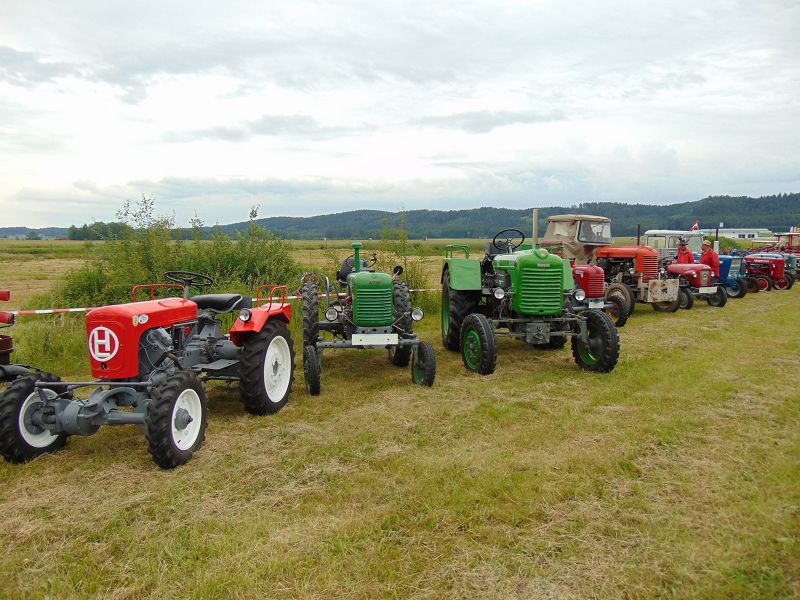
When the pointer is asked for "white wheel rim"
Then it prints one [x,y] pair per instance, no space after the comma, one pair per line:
[277,369]
[43,438]
[190,402]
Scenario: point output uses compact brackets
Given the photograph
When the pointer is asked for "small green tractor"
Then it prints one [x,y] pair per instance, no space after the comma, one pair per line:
[527,294]
[372,310]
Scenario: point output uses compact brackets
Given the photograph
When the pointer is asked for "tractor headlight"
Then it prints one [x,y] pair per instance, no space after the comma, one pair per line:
[663,271]
[417,314]
[499,293]
[579,295]
[331,314]
[245,314]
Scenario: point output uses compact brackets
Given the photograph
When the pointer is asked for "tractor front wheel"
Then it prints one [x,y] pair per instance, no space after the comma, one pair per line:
[456,305]
[618,311]
[423,371]
[266,369]
[782,283]
[737,289]
[21,439]
[753,285]
[669,306]
[478,344]
[312,370]
[686,298]
[765,284]
[600,351]
[176,420]
[310,302]
[625,292]
[718,298]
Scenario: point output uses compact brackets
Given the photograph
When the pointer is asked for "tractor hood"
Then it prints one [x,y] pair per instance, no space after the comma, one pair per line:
[113,333]
[372,297]
[681,269]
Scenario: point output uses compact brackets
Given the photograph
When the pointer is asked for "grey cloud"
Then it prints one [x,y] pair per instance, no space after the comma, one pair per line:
[28,68]
[267,125]
[484,121]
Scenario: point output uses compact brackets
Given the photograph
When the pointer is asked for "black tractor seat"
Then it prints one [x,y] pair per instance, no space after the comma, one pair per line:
[221,303]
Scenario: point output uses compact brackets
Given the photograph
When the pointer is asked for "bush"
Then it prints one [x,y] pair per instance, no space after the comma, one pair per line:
[145,250]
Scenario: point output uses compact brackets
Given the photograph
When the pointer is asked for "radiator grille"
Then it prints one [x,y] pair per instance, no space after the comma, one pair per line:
[373,307]
[649,268]
[541,291]
[595,287]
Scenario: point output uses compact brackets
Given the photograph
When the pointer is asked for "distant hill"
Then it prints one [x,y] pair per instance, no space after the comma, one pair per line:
[773,212]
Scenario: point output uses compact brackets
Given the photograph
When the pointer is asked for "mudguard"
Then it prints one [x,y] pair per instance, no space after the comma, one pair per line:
[258,320]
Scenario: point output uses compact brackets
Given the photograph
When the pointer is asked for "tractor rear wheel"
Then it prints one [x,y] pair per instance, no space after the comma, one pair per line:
[266,369]
[686,298]
[765,284]
[311,370]
[625,292]
[753,285]
[401,355]
[791,280]
[782,283]
[718,298]
[618,311]
[20,439]
[310,301]
[600,352]
[456,305]
[737,289]
[176,419]
[423,371]
[478,344]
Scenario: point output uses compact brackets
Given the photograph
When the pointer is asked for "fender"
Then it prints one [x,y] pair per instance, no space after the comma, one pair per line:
[465,274]
[258,319]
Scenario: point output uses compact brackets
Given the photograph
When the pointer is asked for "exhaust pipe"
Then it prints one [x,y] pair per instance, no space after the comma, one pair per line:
[638,234]
[535,228]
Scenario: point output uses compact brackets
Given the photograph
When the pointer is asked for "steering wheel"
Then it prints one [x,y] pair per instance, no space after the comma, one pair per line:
[187,278]
[501,240]
[350,261]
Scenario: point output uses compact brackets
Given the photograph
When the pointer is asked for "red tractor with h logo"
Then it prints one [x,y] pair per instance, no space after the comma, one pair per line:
[150,359]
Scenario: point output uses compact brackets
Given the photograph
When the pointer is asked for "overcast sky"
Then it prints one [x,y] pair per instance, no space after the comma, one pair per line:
[314,107]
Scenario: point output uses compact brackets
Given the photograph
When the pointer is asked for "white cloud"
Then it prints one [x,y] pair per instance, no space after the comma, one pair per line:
[316,107]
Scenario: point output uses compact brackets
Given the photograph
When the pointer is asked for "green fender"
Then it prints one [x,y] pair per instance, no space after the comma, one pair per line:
[465,273]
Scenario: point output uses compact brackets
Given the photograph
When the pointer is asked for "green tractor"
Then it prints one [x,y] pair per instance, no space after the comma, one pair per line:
[527,294]
[373,310]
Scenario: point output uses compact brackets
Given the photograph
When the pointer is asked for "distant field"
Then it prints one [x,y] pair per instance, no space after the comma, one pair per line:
[675,476]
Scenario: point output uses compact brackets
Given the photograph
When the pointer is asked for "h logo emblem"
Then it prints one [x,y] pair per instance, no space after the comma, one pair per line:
[103,344]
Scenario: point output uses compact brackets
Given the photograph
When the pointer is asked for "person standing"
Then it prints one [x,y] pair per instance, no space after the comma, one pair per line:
[685,256]
[710,258]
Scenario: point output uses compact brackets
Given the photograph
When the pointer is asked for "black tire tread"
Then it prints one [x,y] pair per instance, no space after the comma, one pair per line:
[311,370]
[310,302]
[488,358]
[427,356]
[610,352]
[461,305]
[400,356]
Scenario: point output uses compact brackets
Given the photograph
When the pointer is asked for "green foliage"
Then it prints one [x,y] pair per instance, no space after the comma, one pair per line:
[98,231]
[145,250]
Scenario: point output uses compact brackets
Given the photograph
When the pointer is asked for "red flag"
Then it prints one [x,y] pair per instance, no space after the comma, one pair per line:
[696,226]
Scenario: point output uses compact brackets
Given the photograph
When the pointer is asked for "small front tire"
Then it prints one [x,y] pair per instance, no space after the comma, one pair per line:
[719,298]
[423,371]
[312,371]
[600,352]
[686,298]
[478,344]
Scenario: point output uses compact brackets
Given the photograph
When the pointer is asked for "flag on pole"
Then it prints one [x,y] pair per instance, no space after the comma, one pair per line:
[696,226]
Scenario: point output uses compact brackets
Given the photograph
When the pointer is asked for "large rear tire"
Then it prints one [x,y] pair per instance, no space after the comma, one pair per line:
[176,420]
[625,292]
[765,284]
[600,352]
[719,298]
[618,311]
[20,439]
[478,344]
[423,371]
[266,369]
[456,305]
[738,289]
[782,283]
[401,355]
[310,301]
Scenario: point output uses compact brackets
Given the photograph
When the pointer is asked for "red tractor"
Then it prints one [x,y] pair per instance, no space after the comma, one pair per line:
[8,372]
[696,281]
[766,270]
[150,359]
[591,279]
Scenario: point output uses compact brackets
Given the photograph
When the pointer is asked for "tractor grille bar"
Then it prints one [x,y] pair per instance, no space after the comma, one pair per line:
[649,268]
[541,291]
[373,307]
[596,285]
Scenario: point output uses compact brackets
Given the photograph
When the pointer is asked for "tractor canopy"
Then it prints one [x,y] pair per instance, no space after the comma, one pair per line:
[114,332]
[666,241]
[578,234]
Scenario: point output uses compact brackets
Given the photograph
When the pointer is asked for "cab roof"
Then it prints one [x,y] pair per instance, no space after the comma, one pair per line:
[579,218]
[673,232]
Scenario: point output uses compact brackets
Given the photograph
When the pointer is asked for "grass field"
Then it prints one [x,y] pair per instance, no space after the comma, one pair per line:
[675,476]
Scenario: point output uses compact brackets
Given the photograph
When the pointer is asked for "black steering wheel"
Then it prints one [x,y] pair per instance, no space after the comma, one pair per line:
[187,278]
[501,240]
[350,261]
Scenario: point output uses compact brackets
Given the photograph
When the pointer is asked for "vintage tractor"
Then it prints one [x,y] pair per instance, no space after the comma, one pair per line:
[373,310]
[526,294]
[631,272]
[150,359]
[591,279]
[790,269]
[696,281]
[8,371]
[765,270]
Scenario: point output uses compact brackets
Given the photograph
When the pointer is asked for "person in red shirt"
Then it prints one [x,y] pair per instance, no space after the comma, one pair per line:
[685,256]
[710,258]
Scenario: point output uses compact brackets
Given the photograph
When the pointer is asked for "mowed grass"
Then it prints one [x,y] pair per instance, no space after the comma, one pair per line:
[677,475]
